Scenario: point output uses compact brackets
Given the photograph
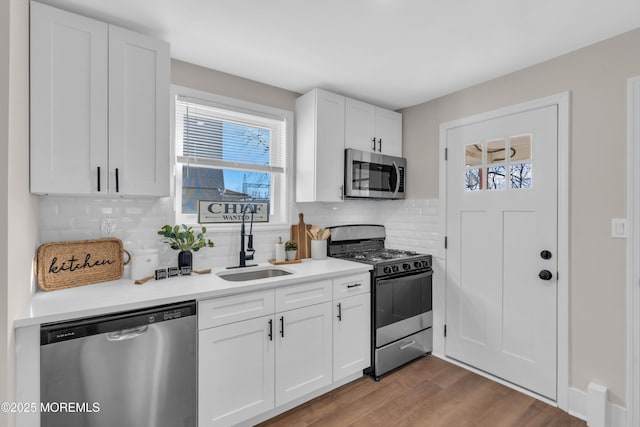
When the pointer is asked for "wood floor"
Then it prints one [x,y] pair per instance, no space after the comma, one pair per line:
[427,392]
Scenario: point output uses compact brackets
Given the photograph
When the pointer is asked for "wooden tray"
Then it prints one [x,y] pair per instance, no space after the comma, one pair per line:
[62,265]
[274,262]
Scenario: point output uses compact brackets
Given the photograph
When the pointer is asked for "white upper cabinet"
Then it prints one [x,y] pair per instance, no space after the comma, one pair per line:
[320,147]
[373,129]
[138,114]
[69,101]
[99,108]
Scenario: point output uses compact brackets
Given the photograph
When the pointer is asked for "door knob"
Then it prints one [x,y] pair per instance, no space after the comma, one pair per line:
[545,275]
[545,254]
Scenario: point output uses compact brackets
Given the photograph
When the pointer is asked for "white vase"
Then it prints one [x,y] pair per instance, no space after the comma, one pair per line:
[291,255]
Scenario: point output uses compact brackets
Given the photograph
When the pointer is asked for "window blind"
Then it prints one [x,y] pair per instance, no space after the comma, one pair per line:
[210,135]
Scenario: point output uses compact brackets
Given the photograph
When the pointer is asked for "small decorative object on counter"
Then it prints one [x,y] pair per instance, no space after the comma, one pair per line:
[280,250]
[183,238]
[143,262]
[163,273]
[291,249]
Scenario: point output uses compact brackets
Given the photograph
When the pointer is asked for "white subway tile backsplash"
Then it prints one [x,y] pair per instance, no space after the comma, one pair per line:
[410,224]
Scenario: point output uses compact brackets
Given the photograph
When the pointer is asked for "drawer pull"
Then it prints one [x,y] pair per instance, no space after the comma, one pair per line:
[282,326]
[355,285]
[270,329]
[404,347]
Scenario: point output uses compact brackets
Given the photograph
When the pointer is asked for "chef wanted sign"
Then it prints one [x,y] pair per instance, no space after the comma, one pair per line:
[218,211]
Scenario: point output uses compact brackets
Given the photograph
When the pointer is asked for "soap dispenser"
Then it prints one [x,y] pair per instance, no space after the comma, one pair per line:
[280,254]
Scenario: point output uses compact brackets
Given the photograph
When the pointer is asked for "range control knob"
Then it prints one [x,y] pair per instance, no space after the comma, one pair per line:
[416,264]
[406,266]
[395,268]
[387,270]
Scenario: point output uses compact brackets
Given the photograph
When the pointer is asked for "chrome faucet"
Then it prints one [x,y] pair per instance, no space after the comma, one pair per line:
[248,254]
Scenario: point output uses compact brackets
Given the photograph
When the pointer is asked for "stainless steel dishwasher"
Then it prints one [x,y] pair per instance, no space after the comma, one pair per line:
[130,369]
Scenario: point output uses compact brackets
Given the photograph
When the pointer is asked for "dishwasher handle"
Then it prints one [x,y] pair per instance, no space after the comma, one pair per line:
[127,334]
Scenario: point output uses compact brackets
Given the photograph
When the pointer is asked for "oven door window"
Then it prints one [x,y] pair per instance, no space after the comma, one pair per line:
[367,176]
[400,298]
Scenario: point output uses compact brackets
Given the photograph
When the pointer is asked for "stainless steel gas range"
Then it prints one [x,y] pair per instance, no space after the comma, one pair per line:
[401,297]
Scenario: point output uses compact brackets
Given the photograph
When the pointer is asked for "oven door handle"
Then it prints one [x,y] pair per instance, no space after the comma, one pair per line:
[391,280]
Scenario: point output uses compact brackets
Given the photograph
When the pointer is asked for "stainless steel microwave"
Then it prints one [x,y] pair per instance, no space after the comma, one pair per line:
[372,175]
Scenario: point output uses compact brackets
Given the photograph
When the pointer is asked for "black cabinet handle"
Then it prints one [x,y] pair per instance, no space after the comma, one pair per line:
[374,143]
[339,316]
[282,326]
[270,329]
[380,145]
[98,178]
[355,285]
[117,181]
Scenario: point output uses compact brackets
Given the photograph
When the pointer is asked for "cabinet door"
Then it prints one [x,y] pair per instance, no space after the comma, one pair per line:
[360,130]
[319,147]
[389,132]
[303,362]
[351,335]
[138,114]
[235,372]
[68,102]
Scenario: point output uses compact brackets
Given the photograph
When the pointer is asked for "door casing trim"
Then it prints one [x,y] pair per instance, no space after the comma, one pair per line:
[633,251]
[563,102]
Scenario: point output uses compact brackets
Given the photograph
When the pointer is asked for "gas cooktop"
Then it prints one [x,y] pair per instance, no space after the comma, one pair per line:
[365,243]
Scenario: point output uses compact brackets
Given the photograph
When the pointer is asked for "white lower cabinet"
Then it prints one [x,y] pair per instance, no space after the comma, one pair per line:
[235,371]
[351,335]
[303,351]
[248,365]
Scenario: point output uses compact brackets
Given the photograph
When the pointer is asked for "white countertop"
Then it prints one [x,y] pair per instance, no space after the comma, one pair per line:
[119,295]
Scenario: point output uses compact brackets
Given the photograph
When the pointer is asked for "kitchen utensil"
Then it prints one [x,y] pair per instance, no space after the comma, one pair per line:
[326,234]
[300,236]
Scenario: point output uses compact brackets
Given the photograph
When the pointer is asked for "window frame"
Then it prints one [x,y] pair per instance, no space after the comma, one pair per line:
[281,191]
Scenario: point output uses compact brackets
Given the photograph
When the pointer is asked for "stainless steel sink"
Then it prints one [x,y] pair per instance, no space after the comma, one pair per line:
[244,275]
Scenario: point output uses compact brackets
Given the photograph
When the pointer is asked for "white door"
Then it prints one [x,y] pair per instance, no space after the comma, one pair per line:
[303,347]
[351,335]
[235,371]
[501,293]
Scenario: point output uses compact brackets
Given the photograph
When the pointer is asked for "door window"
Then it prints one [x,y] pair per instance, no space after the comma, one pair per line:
[490,165]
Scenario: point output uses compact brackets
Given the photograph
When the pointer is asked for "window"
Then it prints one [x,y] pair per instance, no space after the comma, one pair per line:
[229,150]
[487,164]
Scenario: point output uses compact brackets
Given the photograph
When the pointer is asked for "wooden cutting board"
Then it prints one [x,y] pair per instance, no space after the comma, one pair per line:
[300,236]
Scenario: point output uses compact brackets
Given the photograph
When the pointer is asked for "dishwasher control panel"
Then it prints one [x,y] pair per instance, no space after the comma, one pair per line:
[57,332]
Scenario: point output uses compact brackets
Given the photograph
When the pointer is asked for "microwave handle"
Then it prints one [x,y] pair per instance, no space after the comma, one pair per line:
[395,192]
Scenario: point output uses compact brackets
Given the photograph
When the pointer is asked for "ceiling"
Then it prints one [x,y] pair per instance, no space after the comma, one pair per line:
[395,53]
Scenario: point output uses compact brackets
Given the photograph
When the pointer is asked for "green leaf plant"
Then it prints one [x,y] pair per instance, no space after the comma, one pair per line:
[182,238]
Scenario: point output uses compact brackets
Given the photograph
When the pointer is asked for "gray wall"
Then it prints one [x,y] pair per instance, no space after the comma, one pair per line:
[205,79]
[597,77]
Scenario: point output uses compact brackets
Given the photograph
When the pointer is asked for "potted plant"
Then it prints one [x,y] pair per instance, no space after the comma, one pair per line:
[183,239]
[291,248]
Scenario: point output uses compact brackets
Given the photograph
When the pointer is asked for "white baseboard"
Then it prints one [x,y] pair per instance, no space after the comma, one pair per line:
[616,414]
